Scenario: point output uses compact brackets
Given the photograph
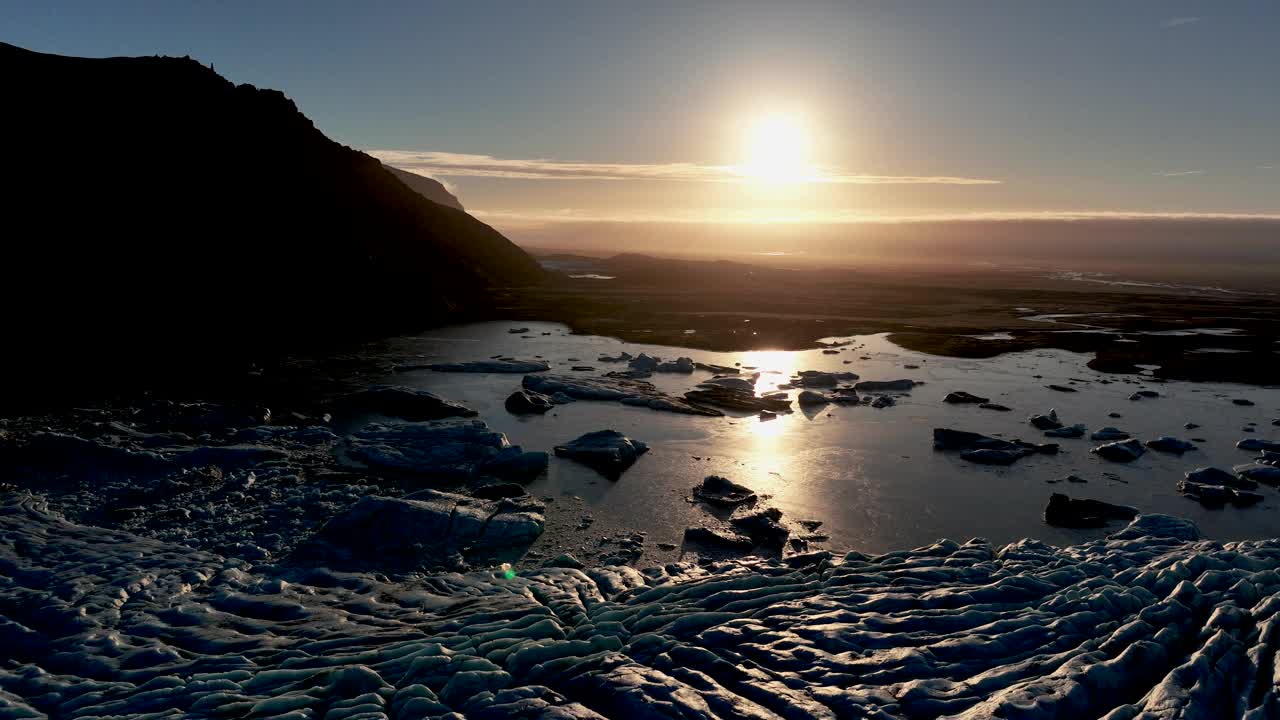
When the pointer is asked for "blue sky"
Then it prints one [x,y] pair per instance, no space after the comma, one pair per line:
[1143,107]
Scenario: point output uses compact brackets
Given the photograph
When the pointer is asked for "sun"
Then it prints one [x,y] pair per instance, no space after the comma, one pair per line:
[777,149]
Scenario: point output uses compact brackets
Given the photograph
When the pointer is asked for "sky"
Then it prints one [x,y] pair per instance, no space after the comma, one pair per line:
[538,113]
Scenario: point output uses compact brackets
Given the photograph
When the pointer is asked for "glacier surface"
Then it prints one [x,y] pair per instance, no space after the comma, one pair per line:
[1151,622]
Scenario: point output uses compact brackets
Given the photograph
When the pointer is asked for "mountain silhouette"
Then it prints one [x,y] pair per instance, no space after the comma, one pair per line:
[428,188]
[152,205]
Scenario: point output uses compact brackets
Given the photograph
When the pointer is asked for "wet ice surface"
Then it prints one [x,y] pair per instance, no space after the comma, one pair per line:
[1150,623]
[870,474]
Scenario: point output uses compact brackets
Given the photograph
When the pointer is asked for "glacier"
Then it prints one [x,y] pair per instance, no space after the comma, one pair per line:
[1150,622]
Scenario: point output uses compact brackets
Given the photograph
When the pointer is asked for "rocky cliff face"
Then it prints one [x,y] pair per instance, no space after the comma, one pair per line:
[214,215]
[428,188]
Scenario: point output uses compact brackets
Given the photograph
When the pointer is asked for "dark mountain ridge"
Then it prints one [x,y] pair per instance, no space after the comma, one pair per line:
[429,188]
[216,220]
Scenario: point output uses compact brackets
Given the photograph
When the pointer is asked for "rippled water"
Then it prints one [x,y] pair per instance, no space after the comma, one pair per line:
[870,474]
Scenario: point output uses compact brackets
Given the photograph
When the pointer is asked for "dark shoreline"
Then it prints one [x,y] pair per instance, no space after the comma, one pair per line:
[938,315]
[727,306]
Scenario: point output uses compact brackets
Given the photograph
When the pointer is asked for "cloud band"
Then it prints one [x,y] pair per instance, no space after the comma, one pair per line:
[447,164]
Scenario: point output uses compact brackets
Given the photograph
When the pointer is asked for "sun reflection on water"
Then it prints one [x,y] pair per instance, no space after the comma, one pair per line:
[768,429]
[770,442]
[775,367]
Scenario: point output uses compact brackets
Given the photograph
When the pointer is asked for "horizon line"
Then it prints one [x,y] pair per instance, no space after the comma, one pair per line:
[852,218]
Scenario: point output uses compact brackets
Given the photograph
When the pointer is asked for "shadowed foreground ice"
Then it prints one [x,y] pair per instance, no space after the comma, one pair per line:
[1151,622]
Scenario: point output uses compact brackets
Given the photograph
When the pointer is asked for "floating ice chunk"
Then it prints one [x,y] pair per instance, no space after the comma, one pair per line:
[607,451]
[809,398]
[1108,434]
[1168,444]
[1048,421]
[1120,451]
[960,397]
[1070,431]
[1155,525]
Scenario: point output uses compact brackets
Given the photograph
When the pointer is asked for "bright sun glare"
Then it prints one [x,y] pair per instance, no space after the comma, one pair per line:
[777,150]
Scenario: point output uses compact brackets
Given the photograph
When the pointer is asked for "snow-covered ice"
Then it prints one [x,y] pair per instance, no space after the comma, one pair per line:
[1150,622]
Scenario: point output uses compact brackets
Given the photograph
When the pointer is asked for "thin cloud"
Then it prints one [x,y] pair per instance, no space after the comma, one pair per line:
[729,216]
[447,164]
[1179,21]
[1180,173]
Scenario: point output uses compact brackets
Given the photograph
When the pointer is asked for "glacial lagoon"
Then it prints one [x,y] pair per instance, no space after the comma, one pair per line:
[870,475]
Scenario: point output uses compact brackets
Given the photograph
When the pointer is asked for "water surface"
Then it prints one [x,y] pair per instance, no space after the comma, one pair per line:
[870,474]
